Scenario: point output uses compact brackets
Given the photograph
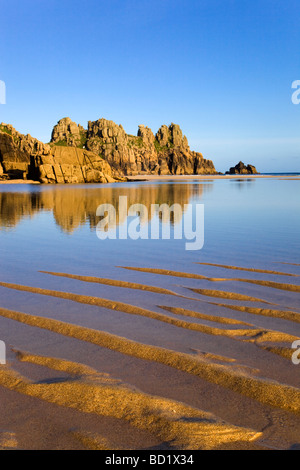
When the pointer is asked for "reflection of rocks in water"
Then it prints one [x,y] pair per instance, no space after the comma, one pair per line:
[196,190]
[103,153]
[73,207]
[243,182]
[16,206]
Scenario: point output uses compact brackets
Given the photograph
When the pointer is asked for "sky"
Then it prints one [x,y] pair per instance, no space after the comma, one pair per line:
[221,69]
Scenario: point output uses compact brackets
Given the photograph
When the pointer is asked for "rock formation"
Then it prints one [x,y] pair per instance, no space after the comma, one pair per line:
[68,131]
[176,156]
[101,153]
[73,165]
[23,157]
[242,169]
[17,152]
[165,153]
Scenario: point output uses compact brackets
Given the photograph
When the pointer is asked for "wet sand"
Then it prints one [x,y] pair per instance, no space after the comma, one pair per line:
[19,182]
[131,350]
[230,385]
[204,177]
[172,178]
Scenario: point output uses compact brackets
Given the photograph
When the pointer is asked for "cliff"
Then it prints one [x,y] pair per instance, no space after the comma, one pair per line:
[24,157]
[101,153]
[17,151]
[165,153]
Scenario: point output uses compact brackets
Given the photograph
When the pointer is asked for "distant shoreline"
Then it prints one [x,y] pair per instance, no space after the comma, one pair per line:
[209,177]
[19,182]
[141,178]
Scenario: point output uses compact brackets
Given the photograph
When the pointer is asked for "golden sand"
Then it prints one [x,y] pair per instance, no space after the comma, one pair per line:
[256,334]
[291,264]
[19,182]
[93,441]
[174,423]
[213,357]
[253,270]
[186,427]
[202,316]
[166,272]
[283,314]
[226,295]
[263,390]
[274,285]
[8,440]
[120,307]
[115,283]
[158,290]
[281,351]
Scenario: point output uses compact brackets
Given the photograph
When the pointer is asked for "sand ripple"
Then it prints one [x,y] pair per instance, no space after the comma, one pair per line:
[171,421]
[263,390]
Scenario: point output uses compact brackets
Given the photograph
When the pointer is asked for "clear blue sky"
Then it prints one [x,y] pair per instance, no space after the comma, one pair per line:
[222,69]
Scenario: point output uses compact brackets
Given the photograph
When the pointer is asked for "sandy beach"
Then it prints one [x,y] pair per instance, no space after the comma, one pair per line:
[172,178]
[19,182]
[202,177]
[149,228]
[247,325]
[141,349]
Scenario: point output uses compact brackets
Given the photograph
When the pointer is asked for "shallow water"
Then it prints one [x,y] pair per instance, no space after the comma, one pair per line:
[248,223]
[253,222]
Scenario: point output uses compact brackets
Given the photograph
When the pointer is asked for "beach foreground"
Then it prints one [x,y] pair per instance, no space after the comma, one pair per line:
[137,348]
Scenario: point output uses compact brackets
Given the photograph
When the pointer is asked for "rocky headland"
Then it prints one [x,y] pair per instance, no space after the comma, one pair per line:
[101,153]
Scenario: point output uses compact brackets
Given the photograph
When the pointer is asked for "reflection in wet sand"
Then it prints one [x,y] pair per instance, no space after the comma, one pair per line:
[73,207]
